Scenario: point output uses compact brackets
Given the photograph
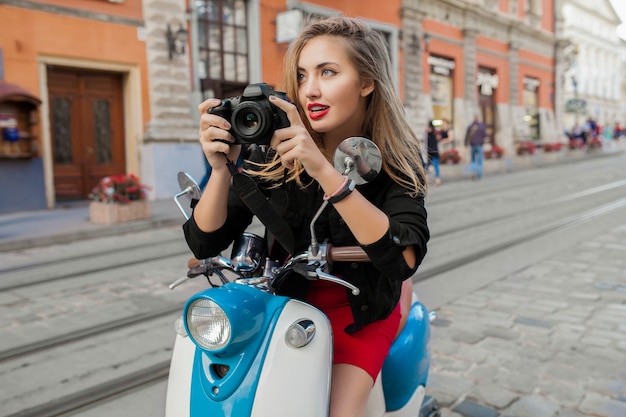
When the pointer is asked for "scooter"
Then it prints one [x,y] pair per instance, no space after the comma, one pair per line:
[243,351]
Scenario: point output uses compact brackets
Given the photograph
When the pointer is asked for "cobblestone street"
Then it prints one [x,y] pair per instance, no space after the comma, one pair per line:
[553,333]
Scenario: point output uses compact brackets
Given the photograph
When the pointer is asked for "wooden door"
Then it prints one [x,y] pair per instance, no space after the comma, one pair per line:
[87,129]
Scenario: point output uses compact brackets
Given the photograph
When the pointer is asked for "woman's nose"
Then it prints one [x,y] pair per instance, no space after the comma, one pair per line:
[311,88]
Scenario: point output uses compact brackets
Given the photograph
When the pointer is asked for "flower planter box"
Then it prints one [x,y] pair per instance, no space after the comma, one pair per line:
[109,213]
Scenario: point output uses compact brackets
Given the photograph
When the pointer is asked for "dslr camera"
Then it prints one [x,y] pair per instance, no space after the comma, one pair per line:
[252,117]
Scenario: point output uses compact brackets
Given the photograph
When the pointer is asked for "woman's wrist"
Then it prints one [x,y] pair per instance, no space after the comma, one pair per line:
[344,190]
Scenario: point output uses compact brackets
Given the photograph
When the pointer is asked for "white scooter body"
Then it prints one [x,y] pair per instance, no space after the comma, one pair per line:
[283,381]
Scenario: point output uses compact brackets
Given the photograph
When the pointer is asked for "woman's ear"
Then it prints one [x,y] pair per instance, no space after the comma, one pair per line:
[367,86]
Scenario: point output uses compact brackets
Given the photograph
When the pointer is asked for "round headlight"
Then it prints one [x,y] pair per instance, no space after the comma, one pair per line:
[208,324]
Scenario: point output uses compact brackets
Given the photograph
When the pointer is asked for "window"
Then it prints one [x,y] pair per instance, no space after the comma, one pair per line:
[223,46]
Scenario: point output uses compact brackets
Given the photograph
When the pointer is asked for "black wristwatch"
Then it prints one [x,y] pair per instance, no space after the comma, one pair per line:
[343,193]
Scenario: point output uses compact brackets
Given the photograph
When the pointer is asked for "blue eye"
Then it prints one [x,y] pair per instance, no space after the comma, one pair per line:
[328,71]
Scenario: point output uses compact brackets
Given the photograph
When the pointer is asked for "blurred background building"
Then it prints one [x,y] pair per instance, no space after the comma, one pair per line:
[595,75]
[102,87]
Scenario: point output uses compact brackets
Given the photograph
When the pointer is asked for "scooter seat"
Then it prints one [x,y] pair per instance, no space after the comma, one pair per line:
[406,366]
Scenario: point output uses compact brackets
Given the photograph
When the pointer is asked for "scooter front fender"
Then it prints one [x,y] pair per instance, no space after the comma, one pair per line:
[179,380]
[283,381]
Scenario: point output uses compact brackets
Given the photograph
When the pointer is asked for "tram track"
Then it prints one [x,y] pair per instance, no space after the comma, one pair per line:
[536,208]
[158,372]
[101,253]
[27,349]
[570,221]
[90,396]
[34,279]
[521,186]
[422,275]
[94,395]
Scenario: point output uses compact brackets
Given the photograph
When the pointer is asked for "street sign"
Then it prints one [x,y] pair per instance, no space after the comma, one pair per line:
[576,105]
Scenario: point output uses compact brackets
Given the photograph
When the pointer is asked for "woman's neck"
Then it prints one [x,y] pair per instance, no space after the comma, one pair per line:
[331,142]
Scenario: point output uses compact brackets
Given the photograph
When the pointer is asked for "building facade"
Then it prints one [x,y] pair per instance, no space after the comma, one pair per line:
[494,59]
[85,61]
[112,86]
[595,73]
[116,83]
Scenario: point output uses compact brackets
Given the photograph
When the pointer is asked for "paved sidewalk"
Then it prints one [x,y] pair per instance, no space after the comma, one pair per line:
[70,222]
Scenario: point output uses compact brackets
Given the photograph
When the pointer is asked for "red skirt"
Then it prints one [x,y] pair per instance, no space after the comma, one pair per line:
[366,348]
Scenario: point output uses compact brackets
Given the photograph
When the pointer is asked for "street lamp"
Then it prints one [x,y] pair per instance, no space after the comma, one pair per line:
[176,41]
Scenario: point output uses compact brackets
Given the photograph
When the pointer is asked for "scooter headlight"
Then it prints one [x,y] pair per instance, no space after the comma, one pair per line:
[208,324]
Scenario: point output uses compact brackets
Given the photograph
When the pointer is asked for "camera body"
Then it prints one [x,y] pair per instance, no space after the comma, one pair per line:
[252,117]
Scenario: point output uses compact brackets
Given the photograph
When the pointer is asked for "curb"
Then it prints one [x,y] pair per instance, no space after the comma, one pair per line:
[130,227]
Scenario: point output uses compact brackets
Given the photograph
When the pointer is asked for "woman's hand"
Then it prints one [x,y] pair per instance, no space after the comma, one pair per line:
[216,141]
[295,143]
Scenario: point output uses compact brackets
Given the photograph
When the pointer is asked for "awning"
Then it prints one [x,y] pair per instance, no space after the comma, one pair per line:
[12,92]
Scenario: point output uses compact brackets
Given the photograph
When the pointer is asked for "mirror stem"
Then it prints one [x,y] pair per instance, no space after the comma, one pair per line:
[314,244]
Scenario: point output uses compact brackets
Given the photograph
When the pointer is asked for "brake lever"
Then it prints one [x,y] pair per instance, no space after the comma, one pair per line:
[327,277]
[314,271]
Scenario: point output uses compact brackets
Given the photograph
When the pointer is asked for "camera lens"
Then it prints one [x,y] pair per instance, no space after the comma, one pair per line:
[251,122]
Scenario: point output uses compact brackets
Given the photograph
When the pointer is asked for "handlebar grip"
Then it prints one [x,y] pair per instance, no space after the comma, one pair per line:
[347,254]
[193,263]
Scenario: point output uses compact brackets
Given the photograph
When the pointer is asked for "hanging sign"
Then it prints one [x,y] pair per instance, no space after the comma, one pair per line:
[487,83]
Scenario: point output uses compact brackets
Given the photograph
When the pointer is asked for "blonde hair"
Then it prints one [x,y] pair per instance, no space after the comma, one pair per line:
[385,121]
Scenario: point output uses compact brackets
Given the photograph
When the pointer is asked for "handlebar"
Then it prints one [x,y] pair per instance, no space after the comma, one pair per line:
[329,255]
[346,254]
[193,263]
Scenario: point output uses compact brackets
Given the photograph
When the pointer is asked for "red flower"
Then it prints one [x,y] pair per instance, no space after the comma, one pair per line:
[450,156]
[552,147]
[595,143]
[495,152]
[119,188]
[576,144]
[526,147]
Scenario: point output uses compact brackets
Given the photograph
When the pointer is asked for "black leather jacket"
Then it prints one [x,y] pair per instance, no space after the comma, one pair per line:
[379,281]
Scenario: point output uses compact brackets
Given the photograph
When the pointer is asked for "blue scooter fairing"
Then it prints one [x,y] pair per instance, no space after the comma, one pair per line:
[407,364]
[252,314]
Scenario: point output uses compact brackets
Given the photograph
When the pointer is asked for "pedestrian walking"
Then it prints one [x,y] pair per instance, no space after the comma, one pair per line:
[618,131]
[447,134]
[475,137]
[432,147]
[434,138]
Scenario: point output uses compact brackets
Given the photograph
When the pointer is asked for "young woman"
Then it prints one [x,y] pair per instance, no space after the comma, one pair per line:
[338,76]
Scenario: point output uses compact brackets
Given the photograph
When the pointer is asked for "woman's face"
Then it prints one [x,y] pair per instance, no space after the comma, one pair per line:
[330,90]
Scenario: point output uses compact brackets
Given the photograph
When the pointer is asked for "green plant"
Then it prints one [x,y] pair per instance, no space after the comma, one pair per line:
[120,188]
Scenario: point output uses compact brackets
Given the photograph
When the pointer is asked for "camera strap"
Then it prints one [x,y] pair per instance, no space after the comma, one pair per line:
[246,188]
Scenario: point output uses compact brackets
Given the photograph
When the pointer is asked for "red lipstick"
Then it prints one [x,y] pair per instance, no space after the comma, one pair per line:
[317,110]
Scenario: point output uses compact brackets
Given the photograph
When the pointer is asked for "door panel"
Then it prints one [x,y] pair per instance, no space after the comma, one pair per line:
[87,129]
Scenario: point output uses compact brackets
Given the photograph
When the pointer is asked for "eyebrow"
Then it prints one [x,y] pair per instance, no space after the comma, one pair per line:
[321,65]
